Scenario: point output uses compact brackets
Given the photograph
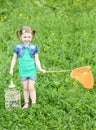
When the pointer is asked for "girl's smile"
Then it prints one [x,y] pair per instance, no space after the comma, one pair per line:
[26,38]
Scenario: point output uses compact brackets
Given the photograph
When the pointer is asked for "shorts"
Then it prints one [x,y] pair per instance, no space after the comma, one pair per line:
[26,78]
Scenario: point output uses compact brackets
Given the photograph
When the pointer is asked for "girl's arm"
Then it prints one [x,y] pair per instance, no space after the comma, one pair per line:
[37,61]
[13,62]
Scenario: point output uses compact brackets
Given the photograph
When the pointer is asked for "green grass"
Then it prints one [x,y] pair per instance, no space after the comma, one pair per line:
[66,35]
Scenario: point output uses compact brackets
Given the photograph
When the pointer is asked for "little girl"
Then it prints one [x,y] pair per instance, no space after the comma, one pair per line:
[27,54]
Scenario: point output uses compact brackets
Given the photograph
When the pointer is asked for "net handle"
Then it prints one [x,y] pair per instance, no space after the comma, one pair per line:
[63,71]
[57,71]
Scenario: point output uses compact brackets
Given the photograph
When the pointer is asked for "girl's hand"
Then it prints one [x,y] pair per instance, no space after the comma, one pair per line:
[42,71]
[11,72]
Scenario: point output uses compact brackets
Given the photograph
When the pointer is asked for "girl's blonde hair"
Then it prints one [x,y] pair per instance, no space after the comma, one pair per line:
[25,29]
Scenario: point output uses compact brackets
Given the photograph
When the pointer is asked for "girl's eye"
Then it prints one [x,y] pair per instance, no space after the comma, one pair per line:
[27,37]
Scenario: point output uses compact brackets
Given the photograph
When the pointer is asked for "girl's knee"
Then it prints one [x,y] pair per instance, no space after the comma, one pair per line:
[25,88]
[31,88]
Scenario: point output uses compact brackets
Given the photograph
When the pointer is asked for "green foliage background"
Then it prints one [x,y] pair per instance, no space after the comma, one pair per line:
[66,35]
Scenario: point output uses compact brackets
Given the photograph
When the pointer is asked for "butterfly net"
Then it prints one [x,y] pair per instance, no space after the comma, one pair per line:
[84,76]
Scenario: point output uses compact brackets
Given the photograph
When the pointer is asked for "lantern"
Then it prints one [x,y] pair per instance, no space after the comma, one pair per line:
[12,97]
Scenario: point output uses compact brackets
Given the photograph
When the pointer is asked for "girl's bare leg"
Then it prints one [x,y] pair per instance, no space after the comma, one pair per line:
[26,93]
[32,91]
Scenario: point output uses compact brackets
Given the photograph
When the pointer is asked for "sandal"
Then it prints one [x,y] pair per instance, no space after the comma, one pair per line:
[33,104]
[26,105]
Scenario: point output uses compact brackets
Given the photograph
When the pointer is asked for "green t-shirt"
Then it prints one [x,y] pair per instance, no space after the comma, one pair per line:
[27,66]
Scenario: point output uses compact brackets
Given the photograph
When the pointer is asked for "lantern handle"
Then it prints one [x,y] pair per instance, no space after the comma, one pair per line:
[12,85]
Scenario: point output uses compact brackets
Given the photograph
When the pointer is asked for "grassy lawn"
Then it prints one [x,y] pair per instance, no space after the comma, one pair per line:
[66,35]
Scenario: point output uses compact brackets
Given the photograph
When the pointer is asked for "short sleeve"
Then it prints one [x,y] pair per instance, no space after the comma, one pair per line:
[36,49]
[15,49]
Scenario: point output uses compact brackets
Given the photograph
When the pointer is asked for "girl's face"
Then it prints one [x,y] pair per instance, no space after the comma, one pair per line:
[26,38]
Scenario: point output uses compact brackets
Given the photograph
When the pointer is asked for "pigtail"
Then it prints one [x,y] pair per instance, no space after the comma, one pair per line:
[18,33]
[33,32]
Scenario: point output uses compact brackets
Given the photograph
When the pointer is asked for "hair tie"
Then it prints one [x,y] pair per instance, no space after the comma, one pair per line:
[23,31]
